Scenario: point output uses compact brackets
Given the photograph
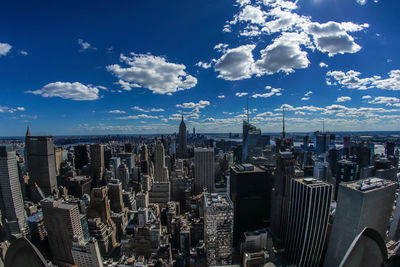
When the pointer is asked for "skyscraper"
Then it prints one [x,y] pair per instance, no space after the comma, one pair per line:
[81,156]
[123,175]
[160,170]
[309,205]
[97,164]
[204,170]
[182,146]
[41,162]
[250,192]
[86,253]
[11,201]
[115,195]
[62,222]
[360,204]
[281,194]
[218,228]
[252,142]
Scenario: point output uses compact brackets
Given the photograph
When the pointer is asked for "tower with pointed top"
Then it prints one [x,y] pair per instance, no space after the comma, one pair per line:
[182,146]
[283,124]
[27,134]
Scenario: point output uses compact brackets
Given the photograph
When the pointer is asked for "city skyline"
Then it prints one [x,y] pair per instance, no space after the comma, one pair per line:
[135,67]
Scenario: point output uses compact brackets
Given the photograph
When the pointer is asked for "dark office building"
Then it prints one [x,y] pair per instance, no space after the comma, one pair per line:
[389,149]
[81,156]
[280,194]
[310,201]
[250,192]
[363,152]
[97,164]
[42,162]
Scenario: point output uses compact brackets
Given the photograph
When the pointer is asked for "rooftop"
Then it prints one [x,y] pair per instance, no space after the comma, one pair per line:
[246,168]
[369,184]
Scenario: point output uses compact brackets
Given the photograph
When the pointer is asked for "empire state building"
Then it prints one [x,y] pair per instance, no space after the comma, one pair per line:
[182,146]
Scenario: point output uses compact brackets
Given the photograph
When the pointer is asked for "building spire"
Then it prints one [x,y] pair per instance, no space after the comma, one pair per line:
[248,113]
[182,115]
[28,133]
[283,123]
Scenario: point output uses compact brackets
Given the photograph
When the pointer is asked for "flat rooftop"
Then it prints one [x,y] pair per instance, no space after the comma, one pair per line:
[217,199]
[369,184]
[246,168]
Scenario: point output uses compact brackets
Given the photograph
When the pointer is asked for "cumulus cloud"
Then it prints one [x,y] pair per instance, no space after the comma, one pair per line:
[4,49]
[343,99]
[323,65]
[4,109]
[147,110]
[116,111]
[272,91]
[296,36]
[351,79]
[191,105]
[388,101]
[306,96]
[221,47]
[85,45]
[221,96]
[153,73]
[203,65]
[334,38]
[67,90]
[135,117]
[361,2]
[241,94]
[23,52]
[366,97]
[284,54]
[236,63]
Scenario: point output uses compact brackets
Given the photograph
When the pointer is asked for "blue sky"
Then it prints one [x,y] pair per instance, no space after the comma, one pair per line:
[107,67]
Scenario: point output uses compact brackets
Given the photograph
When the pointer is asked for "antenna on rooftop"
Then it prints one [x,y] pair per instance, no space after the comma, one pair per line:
[248,113]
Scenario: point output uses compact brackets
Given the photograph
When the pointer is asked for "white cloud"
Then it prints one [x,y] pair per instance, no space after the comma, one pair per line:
[241,94]
[135,117]
[388,101]
[253,14]
[236,63]
[67,90]
[139,109]
[221,96]
[284,54]
[297,34]
[323,65]
[366,97]
[157,110]
[4,109]
[203,65]
[191,105]
[116,111]
[153,73]
[351,79]
[361,2]
[85,45]
[23,52]
[334,38]
[306,96]
[147,110]
[343,99]
[273,91]
[221,47]
[4,49]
